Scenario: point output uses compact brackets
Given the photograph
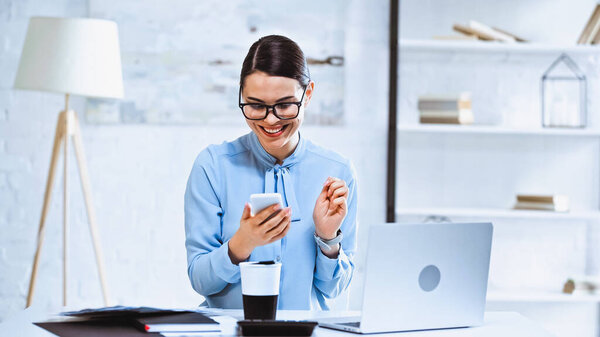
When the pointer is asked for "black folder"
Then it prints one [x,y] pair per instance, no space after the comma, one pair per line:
[122,321]
[93,329]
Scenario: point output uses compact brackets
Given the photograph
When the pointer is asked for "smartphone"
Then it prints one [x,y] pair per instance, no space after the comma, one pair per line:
[260,201]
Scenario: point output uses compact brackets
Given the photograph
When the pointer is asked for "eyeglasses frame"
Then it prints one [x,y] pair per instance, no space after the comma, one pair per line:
[270,108]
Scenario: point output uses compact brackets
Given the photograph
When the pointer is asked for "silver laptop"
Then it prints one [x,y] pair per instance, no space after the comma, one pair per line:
[423,276]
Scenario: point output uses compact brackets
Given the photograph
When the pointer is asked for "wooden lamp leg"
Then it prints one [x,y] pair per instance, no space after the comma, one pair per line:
[85,184]
[68,126]
[58,138]
[68,133]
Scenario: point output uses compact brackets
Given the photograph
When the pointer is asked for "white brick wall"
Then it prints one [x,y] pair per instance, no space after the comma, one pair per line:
[192,52]
[26,125]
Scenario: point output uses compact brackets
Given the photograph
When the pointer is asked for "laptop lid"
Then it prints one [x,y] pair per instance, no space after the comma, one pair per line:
[425,276]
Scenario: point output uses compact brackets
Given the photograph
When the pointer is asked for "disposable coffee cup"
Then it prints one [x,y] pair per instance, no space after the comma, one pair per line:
[260,289]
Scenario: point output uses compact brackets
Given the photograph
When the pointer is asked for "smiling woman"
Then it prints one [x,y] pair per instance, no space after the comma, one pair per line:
[318,189]
[278,131]
[275,71]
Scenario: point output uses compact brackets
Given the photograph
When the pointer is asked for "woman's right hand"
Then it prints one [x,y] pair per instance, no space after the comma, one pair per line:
[258,230]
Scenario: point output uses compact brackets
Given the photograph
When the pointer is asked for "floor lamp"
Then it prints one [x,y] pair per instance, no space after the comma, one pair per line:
[72,56]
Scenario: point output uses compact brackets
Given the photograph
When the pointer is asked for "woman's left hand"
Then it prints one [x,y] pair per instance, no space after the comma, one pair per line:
[331,208]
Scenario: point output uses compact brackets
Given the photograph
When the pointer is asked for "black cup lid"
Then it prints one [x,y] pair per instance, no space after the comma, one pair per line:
[266,262]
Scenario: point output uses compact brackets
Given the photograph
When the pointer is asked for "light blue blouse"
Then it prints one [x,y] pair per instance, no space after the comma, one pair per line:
[220,183]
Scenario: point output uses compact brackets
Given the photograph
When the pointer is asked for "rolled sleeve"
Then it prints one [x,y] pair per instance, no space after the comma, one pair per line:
[222,265]
[329,269]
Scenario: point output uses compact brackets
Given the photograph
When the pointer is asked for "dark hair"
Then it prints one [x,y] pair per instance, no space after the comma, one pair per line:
[276,55]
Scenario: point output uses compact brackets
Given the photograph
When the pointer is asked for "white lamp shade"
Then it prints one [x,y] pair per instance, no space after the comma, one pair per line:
[77,56]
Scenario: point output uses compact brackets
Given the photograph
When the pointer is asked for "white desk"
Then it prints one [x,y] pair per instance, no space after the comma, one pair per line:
[501,324]
[496,324]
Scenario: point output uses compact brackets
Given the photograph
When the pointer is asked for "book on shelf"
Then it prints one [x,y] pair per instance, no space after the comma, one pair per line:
[582,285]
[496,35]
[596,39]
[446,109]
[460,119]
[485,32]
[590,31]
[516,37]
[470,31]
[459,113]
[552,198]
[557,203]
[455,37]
[444,104]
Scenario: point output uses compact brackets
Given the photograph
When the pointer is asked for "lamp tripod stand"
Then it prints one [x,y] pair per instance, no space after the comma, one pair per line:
[67,128]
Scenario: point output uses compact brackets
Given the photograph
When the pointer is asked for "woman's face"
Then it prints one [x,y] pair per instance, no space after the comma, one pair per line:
[278,137]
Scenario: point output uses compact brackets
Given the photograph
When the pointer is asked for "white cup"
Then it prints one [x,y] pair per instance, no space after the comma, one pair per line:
[260,289]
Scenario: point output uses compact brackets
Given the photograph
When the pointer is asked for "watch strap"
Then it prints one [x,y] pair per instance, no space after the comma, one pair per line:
[327,245]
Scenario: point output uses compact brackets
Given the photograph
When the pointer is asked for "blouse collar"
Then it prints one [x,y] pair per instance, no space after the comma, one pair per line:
[270,161]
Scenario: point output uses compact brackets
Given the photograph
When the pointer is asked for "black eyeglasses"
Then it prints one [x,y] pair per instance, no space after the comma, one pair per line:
[259,111]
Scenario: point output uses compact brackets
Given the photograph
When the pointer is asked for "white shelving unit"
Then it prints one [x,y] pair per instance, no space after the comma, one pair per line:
[433,130]
[446,171]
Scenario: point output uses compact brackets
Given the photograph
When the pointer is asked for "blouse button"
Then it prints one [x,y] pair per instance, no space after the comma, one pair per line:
[278,259]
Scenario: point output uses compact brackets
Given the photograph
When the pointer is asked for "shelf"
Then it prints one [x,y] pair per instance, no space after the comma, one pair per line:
[410,45]
[498,130]
[540,297]
[499,213]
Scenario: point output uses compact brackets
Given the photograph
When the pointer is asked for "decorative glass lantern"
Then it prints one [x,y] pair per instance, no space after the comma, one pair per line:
[564,95]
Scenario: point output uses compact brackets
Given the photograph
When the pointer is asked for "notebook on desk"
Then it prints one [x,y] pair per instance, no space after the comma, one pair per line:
[423,276]
[179,322]
[130,321]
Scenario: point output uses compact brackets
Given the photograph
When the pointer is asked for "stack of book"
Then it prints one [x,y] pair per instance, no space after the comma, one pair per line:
[452,109]
[557,203]
[484,32]
[591,31]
